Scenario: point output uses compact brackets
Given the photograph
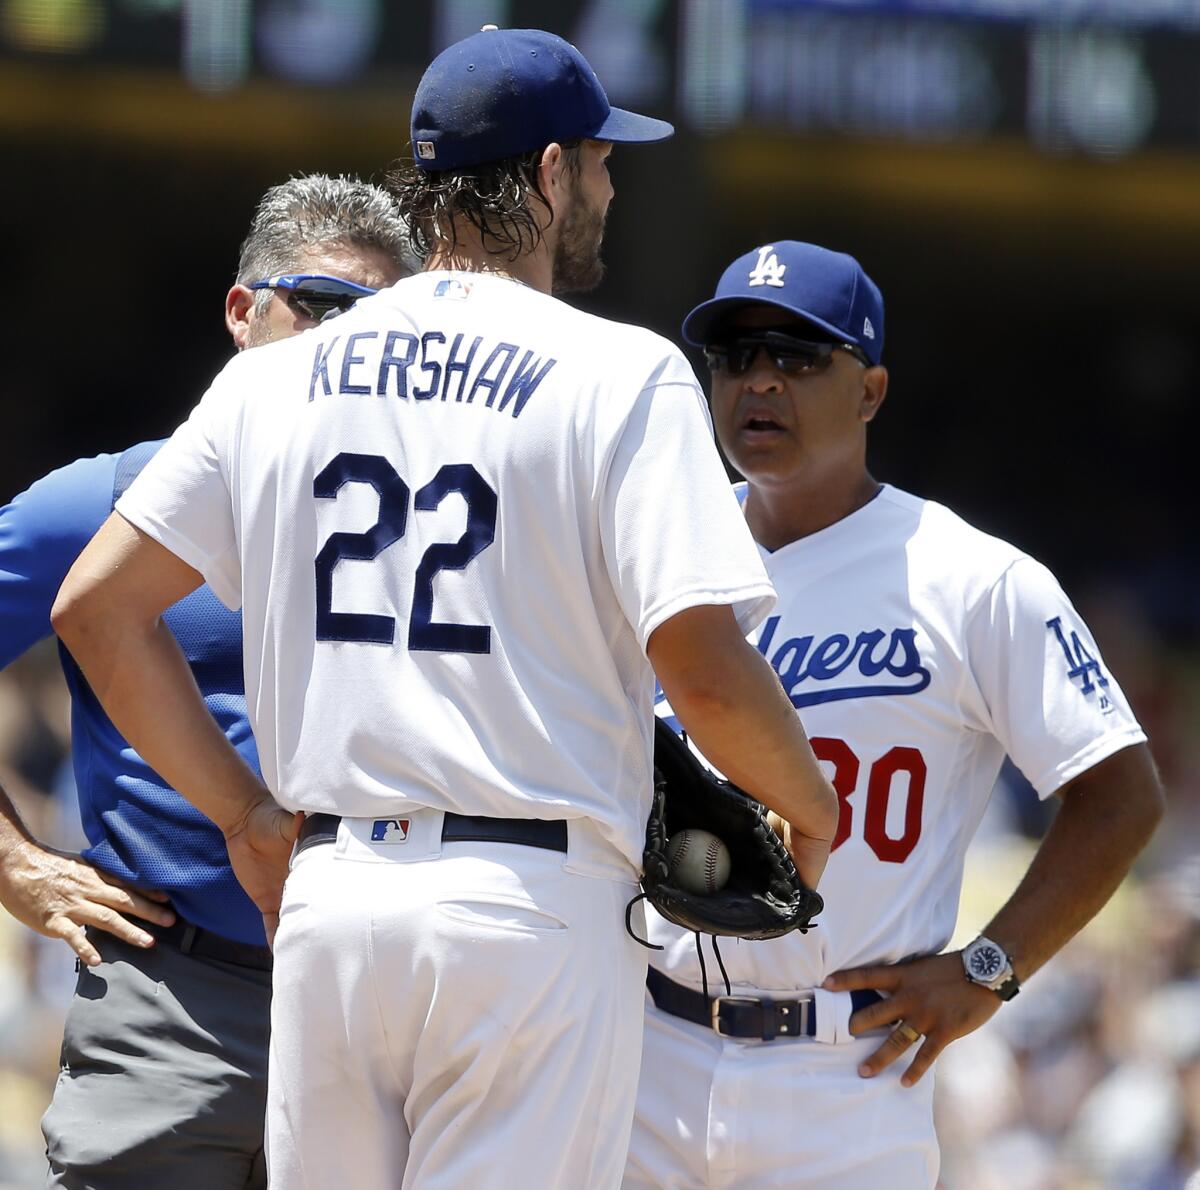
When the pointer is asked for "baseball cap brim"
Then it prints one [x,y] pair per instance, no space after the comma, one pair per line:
[698,324]
[627,128]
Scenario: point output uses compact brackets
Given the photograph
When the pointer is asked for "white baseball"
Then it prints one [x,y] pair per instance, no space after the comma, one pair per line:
[698,860]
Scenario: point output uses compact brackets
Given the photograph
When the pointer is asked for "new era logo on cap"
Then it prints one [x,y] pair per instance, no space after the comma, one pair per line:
[389,830]
[868,329]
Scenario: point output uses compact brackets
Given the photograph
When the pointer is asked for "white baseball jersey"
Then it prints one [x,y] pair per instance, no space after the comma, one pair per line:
[453,517]
[918,651]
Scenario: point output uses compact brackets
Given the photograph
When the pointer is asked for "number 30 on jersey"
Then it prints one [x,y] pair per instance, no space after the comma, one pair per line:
[886,776]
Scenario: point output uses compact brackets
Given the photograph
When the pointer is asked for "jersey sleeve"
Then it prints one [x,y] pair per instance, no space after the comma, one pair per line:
[1052,701]
[42,532]
[182,497]
[674,536]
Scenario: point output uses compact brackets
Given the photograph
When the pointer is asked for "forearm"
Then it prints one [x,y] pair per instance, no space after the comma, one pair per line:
[142,679]
[729,701]
[746,726]
[15,837]
[1105,820]
[13,831]
[20,853]
[108,614]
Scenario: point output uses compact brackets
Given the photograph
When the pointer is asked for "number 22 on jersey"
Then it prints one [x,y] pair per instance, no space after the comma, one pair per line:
[424,632]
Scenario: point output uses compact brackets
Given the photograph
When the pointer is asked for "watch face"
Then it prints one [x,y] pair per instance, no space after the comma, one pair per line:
[986,962]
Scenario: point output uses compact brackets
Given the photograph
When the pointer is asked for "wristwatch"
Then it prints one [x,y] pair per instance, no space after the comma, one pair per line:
[987,964]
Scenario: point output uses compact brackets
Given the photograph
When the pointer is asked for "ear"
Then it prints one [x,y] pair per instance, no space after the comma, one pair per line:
[875,386]
[551,176]
[239,314]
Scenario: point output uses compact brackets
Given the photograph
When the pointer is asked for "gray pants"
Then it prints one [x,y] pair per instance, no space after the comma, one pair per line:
[164,1074]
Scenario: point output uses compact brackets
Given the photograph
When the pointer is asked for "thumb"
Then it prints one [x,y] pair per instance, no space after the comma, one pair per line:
[289,824]
[809,855]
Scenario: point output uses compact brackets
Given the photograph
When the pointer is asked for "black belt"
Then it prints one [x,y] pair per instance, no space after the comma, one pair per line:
[204,944]
[743,1016]
[550,835]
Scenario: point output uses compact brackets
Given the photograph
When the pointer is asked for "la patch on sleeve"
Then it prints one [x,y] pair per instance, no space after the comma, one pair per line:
[1082,665]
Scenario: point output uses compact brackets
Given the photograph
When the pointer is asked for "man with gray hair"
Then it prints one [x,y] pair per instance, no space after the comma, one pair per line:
[165,1049]
[306,227]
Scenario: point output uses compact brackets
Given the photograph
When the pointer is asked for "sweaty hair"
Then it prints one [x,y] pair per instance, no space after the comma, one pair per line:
[495,198]
[316,211]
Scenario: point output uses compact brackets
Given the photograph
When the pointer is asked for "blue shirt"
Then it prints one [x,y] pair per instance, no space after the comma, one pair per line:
[138,827]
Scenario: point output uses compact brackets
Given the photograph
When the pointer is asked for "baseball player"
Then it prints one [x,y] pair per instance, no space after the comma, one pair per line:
[445,517]
[919,651]
[164,1055]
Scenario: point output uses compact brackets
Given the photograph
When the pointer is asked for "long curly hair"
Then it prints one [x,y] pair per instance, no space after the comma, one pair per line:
[496,198]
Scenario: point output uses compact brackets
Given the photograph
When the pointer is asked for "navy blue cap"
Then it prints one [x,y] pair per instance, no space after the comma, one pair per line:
[503,92]
[828,289]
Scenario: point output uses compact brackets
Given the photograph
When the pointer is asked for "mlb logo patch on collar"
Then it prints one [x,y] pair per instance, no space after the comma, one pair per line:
[389,830]
[451,287]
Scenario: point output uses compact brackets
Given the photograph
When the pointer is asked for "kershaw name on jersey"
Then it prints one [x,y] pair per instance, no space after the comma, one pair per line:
[437,365]
[918,651]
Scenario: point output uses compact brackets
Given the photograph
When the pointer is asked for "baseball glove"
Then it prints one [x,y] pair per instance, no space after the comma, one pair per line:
[764,897]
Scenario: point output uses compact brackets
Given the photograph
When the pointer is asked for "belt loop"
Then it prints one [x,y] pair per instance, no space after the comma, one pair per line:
[188,940]
[768,1015]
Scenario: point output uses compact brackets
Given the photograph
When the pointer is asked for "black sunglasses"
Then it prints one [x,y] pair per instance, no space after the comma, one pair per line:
[790,354]
[316,294]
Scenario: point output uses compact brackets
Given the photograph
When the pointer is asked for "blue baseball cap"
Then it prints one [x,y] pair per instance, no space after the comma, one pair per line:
[503,92]
[828,289]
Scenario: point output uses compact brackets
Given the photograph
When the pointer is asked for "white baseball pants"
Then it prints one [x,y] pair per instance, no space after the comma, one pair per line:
[463,1016]
[725,1114]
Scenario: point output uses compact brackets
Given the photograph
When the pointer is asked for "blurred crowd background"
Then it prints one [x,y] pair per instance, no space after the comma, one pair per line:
[1022,178]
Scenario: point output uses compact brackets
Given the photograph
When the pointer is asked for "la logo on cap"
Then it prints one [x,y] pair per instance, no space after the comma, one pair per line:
[425,150]
[768,270]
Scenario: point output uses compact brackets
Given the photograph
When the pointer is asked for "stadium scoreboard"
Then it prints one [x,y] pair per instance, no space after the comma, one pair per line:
[1100,77]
